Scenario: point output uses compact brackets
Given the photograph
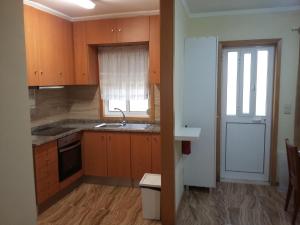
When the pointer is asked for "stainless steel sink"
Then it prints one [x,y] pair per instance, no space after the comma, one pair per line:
[129,126]
[109,125]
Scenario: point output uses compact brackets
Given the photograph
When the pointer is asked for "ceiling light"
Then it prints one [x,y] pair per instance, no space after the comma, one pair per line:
[87,4]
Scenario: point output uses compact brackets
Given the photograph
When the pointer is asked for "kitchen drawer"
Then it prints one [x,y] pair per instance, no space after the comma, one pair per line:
[42,196]
[52,157]
[42,185]
[41,163]
[41,173]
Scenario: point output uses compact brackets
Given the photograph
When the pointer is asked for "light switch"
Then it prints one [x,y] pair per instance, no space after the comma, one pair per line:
[287,109]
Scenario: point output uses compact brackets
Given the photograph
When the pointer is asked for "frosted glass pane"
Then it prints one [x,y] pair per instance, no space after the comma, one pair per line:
[112,104]
[139,105]
[261,82]
[232,68]
[246,83]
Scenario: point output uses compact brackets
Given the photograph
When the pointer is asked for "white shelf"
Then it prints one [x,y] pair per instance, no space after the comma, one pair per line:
[187,134]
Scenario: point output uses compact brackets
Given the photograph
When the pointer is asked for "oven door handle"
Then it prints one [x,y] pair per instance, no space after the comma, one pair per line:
[69,148]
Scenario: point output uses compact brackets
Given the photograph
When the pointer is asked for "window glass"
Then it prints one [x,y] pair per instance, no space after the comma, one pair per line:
[261,82]
[232,69]
[112,104]
[138,105]
[246,83]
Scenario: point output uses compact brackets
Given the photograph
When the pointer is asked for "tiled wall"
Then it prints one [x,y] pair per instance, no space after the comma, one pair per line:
[77,102]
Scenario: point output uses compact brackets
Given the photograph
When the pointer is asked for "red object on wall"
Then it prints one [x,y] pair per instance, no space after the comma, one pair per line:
[186,147]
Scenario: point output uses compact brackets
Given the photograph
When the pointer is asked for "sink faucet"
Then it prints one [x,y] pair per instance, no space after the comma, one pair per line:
[123,122]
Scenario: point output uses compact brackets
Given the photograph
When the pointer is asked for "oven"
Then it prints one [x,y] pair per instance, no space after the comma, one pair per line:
[69,155]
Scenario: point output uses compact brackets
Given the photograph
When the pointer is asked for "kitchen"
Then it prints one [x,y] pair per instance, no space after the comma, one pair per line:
[198,96]
[79,133]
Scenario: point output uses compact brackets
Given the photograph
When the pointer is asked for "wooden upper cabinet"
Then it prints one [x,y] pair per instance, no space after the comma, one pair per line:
[85,57]
[112,31]
[154,49]
[135,29]
[118,151]
[140,155]
[49,49]
[67,50]
[101,31]
[156,154]
[31,26]
[95,154]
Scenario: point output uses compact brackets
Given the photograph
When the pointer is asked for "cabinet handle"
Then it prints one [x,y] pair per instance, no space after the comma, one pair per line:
[60,73]
[112,30]
[35,72]
[120,30]
[42,73]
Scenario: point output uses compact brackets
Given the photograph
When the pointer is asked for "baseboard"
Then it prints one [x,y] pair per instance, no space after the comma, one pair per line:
[258,182]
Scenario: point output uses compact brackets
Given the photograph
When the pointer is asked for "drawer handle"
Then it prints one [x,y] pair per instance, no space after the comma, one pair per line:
[69,148]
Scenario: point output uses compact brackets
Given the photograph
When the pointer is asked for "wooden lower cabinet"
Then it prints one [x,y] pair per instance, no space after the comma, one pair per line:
[140,155]
[46,171]
[95,154]
[155,154]
[118,155]
[121,155]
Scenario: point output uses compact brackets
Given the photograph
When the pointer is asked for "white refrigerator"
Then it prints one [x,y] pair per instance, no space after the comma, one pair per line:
[199,109]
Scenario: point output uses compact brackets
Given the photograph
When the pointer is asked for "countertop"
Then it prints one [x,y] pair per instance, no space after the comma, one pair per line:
[89,125]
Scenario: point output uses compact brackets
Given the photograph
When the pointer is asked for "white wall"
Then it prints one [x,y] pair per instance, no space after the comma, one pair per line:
[17,198]
[272,25]
[180,32]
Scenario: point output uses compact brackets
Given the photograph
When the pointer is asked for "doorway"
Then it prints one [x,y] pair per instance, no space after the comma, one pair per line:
[248,110]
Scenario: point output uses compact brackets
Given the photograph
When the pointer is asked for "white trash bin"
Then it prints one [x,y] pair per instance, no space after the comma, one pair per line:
[150,186]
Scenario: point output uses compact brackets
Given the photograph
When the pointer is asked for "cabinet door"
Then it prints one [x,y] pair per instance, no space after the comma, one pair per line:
[80,53]
[135,29]
[31,26]
[154,49]
[67,54]
[95,154]
[49,50]
[140,155]
[119,155]
[85,57]
[101,31]
[156,154]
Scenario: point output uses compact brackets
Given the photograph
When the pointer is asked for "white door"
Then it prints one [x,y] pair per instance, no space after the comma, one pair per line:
[247,81]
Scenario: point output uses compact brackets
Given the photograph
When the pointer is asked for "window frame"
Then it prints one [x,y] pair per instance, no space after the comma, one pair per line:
[132,116]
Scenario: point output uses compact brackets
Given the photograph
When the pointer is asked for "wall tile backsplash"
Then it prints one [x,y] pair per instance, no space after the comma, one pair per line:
[74,102]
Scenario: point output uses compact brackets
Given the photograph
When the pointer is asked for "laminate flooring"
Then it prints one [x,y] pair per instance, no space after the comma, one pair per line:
[91,204]
[235,204]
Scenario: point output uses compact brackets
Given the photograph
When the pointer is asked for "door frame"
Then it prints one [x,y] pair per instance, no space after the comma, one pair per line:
[276,43]
[168,211]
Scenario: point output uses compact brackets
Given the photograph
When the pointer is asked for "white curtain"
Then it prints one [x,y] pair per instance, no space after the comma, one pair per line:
[124,72]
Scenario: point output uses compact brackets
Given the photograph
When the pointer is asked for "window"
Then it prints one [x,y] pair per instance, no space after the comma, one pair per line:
[232,70]
[124,80]
[136,108]
[246,83]
[261,82]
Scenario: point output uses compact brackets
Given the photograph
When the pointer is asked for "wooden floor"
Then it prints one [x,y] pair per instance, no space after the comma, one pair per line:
[228,204]
[92,204]
[235,204]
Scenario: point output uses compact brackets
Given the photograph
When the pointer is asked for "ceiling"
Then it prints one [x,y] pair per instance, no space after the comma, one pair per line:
[207,6]
[103,7]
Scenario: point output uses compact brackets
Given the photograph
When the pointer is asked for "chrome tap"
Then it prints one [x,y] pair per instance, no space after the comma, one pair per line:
[123,122]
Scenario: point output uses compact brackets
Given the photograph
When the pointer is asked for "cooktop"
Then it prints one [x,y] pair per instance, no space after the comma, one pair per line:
[50,131]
